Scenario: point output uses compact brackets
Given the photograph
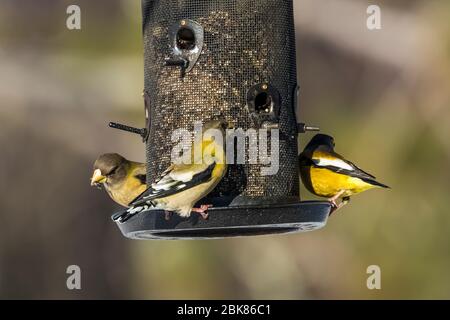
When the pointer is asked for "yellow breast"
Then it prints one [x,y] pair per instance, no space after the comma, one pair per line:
[326,183]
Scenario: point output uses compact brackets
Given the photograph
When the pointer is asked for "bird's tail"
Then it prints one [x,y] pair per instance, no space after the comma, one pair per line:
[376,183]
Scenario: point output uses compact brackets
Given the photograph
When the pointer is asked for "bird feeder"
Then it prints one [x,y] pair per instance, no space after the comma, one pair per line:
[233,59]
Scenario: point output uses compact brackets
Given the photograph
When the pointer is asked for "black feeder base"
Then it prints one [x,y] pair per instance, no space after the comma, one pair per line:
[225,222]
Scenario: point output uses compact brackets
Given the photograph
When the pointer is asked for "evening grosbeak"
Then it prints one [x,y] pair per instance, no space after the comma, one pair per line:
[181,186]
[327,174]
[124,180]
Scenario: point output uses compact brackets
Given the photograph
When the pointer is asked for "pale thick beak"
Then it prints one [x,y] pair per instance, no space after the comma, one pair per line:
[97,178]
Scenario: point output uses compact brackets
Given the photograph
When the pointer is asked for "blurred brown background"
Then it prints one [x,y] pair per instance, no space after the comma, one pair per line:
[384,95]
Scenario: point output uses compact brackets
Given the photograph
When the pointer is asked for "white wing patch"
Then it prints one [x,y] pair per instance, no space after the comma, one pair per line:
[171,179]
[183,176]
[134,210]
[338,163]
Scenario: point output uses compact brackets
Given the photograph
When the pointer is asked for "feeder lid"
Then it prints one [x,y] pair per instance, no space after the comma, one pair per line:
[224,222]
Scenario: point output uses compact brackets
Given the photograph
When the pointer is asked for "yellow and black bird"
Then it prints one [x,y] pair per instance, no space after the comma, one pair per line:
[181,186]
[327,174]
[124,180]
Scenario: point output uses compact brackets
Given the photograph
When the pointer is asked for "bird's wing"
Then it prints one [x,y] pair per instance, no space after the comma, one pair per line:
[175,179]
[357,169]
[336,163]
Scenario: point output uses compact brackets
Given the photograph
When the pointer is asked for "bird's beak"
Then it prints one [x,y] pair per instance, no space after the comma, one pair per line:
[97,178]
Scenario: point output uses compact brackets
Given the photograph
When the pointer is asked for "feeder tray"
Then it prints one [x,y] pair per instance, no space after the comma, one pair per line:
[225,222]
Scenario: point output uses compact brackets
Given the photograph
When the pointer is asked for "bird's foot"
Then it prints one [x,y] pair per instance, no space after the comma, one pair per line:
[203,210]
[167,215]
[336,207]
[333,203]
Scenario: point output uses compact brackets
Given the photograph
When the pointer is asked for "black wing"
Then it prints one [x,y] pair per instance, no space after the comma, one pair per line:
[174,180]
[339,164]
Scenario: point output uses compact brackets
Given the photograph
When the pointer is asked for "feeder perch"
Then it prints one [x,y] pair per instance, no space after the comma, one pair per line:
[233,59]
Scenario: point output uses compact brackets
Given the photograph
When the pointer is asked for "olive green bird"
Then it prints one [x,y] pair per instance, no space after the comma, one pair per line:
[327,174]
[122,179]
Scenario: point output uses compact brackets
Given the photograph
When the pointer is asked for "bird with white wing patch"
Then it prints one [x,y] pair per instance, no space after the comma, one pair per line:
[181,186]
[327,174]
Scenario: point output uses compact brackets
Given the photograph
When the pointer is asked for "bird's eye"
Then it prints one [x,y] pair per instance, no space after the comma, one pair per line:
[113,171]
